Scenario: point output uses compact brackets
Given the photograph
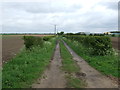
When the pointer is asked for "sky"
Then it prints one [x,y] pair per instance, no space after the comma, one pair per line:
[40,16]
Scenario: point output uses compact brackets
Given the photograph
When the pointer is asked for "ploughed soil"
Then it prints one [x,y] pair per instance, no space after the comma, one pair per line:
[94,79]
[116,42]
[11,45]
[28,35]
[53,77]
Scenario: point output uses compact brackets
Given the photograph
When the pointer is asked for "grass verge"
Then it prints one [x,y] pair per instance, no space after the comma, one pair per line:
[71,68]
[25,68]
[107,64]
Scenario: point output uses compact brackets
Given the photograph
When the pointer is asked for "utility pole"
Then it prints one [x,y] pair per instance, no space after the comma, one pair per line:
[55,28]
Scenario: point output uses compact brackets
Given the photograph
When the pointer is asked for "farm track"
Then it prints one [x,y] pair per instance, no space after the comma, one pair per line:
[94,79]
[53,76]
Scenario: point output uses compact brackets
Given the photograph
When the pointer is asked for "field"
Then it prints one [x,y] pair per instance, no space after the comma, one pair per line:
[11,45]
[22,70]
[116,42]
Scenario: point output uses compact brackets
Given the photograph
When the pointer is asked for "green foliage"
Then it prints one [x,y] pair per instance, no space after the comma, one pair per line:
[25,68]
[30,41]
[107,64]
[101,45]
[46,38]
[70,66]
[38,41]
[113,35]
[61,33]
[75,82]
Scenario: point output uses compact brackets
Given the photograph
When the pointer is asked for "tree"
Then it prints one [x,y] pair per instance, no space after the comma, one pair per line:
[61,33]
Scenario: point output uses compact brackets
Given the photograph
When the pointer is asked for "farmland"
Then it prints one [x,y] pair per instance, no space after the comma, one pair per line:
[11,45]
[28,64]
[70,61]
[116,42]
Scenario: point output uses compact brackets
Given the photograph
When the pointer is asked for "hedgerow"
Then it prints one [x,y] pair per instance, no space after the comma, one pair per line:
[101,45]
[47,38]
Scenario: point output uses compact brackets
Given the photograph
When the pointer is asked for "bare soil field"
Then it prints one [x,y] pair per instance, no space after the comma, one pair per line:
[11,45]
[27,35]
[115,42]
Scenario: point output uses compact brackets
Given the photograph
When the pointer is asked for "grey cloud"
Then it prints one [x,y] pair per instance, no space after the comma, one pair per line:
[42,7]
[110,5]
[71,20]
[94,20]
[37,28]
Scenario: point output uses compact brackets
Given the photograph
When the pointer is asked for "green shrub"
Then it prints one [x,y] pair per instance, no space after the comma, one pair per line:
[38,41]
[46,38]
[101,45]
[113,35]
[30,41]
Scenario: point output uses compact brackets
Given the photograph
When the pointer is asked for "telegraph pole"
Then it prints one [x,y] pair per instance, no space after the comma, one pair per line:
[55,28]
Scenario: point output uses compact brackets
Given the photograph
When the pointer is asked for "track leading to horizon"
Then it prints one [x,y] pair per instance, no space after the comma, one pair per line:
[53,77]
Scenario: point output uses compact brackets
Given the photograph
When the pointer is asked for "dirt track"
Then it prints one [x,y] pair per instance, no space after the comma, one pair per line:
[11,45]
[94,79]
[53,76]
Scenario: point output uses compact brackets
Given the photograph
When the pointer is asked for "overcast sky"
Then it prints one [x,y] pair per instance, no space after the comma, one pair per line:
[68,15]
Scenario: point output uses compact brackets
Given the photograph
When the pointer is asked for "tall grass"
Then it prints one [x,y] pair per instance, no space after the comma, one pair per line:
[107,64]
[25,68]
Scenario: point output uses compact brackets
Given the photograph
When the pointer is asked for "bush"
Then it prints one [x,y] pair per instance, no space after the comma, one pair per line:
[30,41]
[101,45]
[38,41]
[113,35]
[46,38]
